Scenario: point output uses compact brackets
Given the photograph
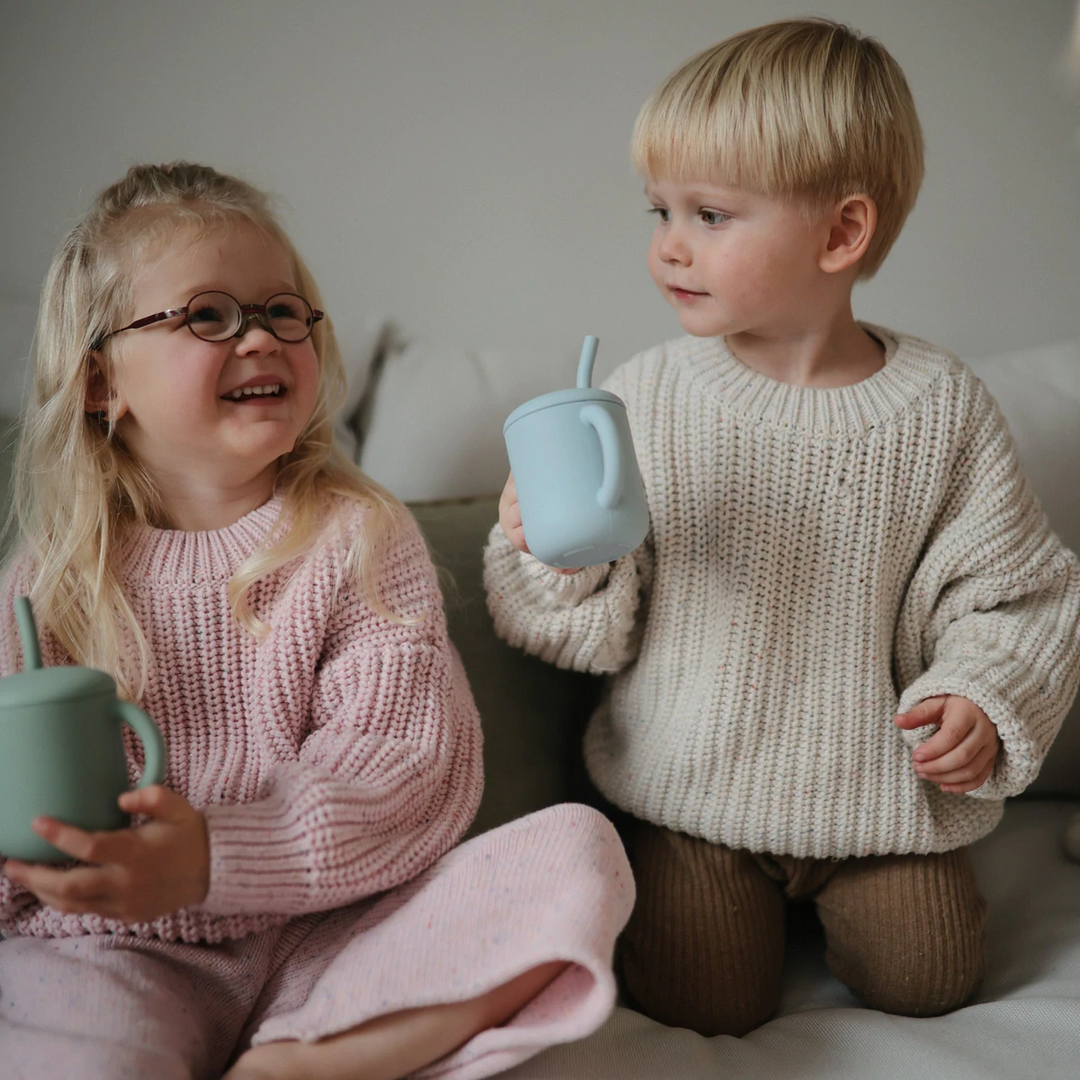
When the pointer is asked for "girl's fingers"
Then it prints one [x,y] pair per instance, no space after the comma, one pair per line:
[77,891]
[156,801]
[69,839]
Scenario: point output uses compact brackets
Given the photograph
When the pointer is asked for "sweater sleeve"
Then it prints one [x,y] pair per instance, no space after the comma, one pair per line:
[389,777]
[588,621]
[993,610]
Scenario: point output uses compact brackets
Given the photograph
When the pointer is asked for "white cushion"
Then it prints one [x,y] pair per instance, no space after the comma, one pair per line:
[1039,393]
[435,431]
[361,339]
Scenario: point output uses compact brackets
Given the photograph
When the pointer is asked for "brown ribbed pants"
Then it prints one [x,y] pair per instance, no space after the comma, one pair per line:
[704,947]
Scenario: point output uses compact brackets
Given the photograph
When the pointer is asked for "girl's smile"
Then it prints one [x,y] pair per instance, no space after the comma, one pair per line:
[211,416]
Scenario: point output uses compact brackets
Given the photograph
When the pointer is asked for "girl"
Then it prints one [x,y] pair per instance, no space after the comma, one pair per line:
[288,902]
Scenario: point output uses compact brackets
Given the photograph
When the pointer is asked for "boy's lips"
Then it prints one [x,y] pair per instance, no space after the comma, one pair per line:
[684,294]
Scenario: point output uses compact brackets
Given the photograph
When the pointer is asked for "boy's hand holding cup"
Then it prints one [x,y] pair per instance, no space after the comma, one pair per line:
[574,496]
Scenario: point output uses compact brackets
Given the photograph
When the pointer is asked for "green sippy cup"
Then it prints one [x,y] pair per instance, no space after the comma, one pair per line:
[62,751]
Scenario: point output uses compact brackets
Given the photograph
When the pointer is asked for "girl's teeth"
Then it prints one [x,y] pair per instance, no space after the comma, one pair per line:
[248,391]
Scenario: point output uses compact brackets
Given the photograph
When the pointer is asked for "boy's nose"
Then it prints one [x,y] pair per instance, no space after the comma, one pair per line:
[674,249]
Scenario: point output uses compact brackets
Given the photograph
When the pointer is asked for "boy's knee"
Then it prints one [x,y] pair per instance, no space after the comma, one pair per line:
[915,984]
[723,1006]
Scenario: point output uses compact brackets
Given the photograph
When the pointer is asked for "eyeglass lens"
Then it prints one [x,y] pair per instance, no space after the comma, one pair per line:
[215,316]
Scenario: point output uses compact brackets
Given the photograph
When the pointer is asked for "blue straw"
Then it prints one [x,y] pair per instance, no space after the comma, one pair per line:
[585,364]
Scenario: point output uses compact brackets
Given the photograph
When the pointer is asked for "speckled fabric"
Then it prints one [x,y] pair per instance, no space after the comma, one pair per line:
[552,886]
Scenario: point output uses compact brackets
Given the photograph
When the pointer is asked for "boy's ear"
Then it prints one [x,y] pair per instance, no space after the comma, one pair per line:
[851,230]
[100,399]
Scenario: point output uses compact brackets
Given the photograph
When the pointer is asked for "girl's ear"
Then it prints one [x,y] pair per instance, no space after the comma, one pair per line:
[100,400]
[852,228]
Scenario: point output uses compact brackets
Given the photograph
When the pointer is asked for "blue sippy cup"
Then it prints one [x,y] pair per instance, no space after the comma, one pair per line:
[578,486]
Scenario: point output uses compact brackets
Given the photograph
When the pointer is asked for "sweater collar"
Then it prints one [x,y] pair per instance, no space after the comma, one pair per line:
[911,368]
[152,556]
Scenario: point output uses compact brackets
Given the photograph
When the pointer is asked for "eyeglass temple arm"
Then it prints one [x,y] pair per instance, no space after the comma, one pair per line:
[159,317]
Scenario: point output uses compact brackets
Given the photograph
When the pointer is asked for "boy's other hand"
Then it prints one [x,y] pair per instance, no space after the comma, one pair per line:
[960,756]
[510,516]
[510,520]
[136,874]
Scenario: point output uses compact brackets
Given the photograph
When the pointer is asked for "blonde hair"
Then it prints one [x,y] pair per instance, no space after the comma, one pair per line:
[805,107]
[77,488]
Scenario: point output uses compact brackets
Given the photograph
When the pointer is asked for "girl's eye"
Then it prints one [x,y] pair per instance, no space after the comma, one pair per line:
[713,217]
[662,212]
[284,309]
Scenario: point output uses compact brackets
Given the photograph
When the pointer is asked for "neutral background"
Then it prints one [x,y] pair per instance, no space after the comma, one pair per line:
[461,165]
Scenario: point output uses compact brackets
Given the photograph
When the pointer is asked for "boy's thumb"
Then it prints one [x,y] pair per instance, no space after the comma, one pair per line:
[926,712]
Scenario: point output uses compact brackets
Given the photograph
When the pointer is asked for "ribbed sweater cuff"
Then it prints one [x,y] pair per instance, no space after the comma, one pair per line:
[258,860]
[506,564]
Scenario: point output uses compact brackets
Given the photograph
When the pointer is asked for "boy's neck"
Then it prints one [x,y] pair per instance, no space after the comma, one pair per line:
[824,355]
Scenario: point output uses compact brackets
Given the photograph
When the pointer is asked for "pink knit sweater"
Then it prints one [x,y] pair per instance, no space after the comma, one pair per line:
[335,759]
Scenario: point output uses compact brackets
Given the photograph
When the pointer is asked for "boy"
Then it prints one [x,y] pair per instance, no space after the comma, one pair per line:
[850,633]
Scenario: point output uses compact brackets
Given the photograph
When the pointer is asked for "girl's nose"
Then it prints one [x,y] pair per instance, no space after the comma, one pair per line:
[255,338]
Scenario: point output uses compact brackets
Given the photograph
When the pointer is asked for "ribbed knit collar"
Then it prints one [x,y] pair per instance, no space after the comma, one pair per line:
[173,557]
[911,368]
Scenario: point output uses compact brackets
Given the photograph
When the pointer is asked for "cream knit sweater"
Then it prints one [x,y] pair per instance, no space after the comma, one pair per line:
[818,560]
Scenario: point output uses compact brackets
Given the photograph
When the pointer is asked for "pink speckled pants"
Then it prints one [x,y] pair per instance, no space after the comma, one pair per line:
[551,886]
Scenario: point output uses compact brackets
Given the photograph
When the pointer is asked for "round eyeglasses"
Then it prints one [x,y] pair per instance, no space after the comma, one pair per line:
[217,316]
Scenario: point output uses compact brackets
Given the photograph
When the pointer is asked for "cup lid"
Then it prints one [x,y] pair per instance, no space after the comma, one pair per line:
[61,683]
[560,397]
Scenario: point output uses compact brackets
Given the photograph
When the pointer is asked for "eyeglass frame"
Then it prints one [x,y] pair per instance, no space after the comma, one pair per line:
[247,313]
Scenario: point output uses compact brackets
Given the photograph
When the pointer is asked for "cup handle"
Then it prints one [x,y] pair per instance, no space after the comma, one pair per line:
[611,452]
[152,742]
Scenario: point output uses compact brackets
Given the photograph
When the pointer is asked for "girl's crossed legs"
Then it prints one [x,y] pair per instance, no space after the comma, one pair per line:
[504,946]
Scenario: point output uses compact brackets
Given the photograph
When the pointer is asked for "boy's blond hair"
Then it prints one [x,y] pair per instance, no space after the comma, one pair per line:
[77,488]
[806,108]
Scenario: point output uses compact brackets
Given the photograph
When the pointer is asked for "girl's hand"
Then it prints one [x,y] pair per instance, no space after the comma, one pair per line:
[961,755]
[138,874]
[510,520]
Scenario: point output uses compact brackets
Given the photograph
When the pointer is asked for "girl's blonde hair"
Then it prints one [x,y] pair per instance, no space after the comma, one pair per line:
[78,490]
[805,107]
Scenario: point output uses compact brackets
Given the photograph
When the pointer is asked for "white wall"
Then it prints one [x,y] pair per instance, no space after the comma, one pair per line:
[462,166]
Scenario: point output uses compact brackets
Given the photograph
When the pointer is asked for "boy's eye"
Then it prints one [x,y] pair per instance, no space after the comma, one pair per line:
[713,217]
[662,212]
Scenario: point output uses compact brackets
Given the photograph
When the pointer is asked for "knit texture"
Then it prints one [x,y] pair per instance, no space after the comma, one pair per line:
[704,948]
[818,560]
[335,759]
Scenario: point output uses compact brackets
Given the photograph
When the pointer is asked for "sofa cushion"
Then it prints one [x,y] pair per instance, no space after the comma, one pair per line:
[533,714]
[435,429]
[1039,393]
